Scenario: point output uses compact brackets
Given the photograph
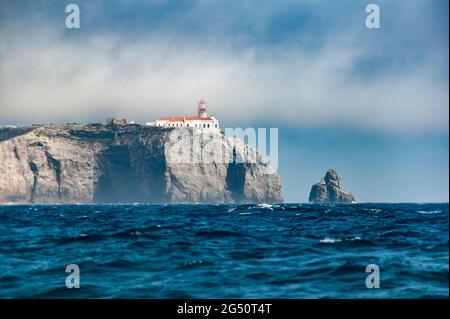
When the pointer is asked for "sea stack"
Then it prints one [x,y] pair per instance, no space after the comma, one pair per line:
[329,190]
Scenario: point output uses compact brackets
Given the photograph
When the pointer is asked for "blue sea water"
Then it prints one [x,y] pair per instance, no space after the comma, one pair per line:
[224,251]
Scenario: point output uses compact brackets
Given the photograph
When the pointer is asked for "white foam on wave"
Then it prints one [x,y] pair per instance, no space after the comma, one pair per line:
[430,212]
[266,206]
[328,240]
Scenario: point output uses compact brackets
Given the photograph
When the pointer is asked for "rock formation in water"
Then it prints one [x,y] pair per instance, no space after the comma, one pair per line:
[130,163]
[329,190]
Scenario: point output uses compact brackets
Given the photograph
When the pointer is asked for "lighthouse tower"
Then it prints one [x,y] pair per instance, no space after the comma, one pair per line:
[202,109]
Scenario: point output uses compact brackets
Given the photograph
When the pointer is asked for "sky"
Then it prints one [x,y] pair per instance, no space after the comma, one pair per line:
[371,103]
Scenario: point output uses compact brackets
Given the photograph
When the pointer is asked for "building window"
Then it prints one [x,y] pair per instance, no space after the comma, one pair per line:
[216,125]
[208,125]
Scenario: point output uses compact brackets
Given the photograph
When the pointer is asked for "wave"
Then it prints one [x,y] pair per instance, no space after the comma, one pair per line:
[431,212]
[266,206]
[328,240]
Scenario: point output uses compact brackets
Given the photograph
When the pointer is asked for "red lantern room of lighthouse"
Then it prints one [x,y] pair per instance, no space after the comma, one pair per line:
[202,109]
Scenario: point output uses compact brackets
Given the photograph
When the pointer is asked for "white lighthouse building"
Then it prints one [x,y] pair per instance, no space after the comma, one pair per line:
[202,120]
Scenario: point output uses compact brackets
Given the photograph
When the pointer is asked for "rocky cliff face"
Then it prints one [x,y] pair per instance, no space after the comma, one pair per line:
[132,163]
[329,190]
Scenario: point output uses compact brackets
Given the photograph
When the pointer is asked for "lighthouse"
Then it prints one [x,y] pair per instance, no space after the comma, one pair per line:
[202,120]
[202,109]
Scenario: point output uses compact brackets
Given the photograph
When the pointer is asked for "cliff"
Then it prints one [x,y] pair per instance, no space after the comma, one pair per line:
[329,190]
[131,163]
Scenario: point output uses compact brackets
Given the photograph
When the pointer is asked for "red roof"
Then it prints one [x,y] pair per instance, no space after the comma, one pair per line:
[184,118]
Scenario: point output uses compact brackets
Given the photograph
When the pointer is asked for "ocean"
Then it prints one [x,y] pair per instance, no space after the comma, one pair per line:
[224,251]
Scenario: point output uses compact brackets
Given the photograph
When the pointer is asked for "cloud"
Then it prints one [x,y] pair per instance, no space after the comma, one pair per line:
[339,78]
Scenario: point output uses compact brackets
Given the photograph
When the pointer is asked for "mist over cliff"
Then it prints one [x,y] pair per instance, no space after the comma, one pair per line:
[130,163]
